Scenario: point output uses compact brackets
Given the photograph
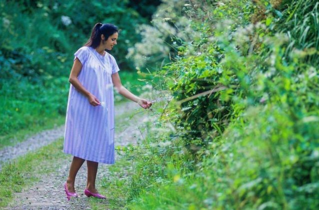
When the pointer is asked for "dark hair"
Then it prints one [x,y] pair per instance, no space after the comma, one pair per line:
[106,29]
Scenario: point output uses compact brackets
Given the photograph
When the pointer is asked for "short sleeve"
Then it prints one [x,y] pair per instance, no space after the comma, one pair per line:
[114,66]
[82,54]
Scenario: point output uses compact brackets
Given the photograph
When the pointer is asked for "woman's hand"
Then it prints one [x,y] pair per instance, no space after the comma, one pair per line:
[144,103]
[93,100]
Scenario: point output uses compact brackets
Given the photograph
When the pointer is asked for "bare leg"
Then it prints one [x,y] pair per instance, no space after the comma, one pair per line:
[92,171]
[75,166]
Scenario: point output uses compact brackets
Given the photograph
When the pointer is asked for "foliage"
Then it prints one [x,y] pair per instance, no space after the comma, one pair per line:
[257,62]
[300,22]
[57,34]
[157,39]
[197,79]
[25,105]
[199,115]
[145,8]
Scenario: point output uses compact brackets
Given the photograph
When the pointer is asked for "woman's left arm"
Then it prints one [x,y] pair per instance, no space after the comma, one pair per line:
[127,94]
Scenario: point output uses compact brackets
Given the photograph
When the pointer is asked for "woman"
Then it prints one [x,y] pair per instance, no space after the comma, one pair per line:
[89,124]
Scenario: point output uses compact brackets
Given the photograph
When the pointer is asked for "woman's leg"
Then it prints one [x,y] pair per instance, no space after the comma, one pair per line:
[75,166]
[92,171]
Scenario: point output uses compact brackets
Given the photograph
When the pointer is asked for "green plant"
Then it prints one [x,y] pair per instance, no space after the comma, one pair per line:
[266,155]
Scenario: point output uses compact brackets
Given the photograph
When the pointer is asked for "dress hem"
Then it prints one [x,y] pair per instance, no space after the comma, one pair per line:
[89,159]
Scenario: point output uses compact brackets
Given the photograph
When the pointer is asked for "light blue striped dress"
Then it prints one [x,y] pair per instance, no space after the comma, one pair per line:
[89,130]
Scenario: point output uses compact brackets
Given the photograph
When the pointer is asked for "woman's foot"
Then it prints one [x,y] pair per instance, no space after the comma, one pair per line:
[93,193]
[70,186]
[68,193]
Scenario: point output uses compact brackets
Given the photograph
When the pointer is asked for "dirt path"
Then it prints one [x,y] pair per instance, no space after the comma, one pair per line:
[48,193]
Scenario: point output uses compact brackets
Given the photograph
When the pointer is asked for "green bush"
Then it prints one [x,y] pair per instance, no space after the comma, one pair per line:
[264,152]
[204,100]
[197,79]
[263,163]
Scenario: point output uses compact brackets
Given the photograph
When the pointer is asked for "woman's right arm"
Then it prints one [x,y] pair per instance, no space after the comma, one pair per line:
[73,79]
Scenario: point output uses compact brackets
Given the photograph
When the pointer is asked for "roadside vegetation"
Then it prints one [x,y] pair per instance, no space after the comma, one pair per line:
[240,130]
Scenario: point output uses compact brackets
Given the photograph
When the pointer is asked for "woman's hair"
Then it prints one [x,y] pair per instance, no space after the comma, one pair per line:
[99,28]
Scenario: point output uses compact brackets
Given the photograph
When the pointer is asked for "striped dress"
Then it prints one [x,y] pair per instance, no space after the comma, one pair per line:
[89,130]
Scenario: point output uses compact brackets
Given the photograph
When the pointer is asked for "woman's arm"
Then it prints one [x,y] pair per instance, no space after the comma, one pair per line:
[127,94]
[73,79]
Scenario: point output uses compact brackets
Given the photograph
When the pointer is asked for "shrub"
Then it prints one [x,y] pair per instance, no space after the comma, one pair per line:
[266,155]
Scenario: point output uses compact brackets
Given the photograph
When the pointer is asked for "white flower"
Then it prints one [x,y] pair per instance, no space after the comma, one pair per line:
[66,20]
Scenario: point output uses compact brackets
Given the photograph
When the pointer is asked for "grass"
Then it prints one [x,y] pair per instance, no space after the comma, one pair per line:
[115,186]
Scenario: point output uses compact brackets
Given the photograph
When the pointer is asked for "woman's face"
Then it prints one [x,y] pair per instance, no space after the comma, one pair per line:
[111,41]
